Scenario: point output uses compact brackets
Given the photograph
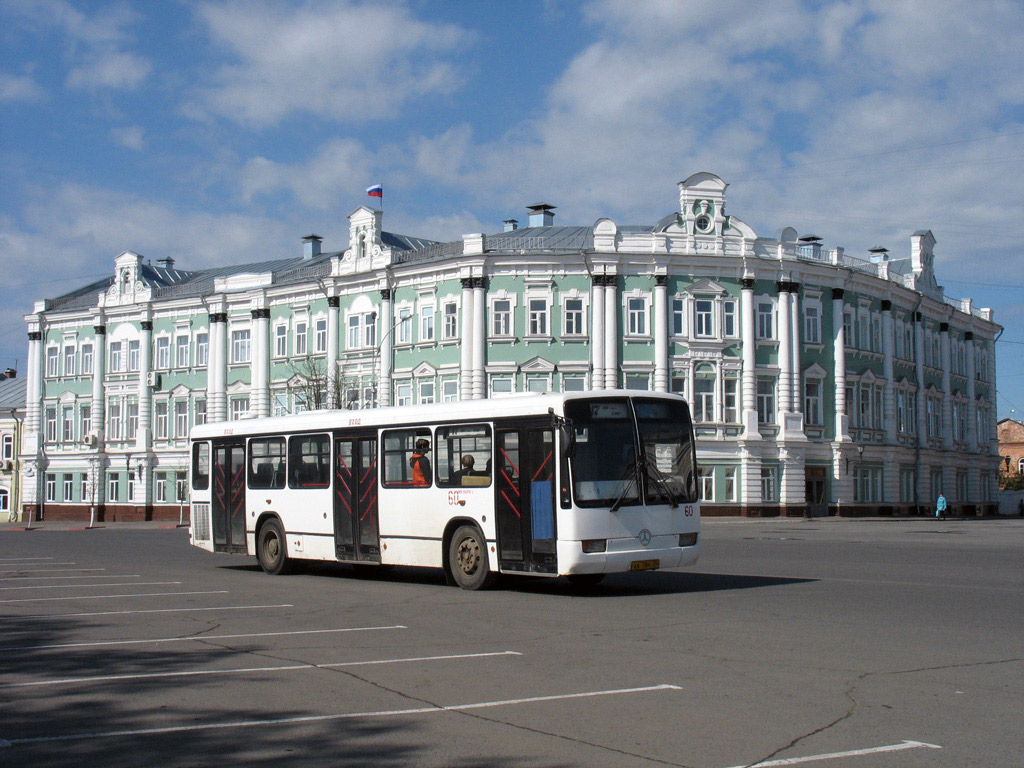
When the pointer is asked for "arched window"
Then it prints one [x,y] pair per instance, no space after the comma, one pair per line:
[1020,466]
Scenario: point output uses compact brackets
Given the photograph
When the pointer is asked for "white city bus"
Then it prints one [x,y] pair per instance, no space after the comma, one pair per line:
[576,484]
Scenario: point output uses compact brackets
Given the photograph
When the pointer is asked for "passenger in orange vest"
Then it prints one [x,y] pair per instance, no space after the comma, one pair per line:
[421,472]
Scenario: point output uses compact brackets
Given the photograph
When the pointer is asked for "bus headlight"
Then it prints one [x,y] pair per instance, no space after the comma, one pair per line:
[595,545]
[687,539]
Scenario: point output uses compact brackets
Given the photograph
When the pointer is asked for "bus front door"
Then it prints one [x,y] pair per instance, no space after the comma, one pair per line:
[356,535]
[525,499]
[228,498]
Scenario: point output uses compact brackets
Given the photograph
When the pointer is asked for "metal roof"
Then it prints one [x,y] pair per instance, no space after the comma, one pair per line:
[12,394]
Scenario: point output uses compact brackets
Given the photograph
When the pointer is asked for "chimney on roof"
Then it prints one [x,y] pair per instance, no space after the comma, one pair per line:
[879,253]
[511,225]
[311,246]
[541,215]
[10,373]
[165,263]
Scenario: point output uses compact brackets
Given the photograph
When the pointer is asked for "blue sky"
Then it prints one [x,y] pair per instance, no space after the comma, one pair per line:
[223,132]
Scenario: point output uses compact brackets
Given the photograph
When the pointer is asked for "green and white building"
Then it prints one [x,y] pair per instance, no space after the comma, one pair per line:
[820,382]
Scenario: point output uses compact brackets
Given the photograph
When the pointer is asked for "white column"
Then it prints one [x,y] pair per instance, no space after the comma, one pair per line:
[216,369]
[333,334]
[889,394]
[597,333]
[144,435]
[32,437]
[922,425]
[947,393]
[661,334]
[611,333]
[385,345]
[748,383]
[466,364]
[797,403]
[260,389]
[974,476]
[839,365]
[785,335]
[479,339]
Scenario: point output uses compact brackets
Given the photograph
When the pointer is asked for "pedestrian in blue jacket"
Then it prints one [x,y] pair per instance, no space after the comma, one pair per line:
[940,507]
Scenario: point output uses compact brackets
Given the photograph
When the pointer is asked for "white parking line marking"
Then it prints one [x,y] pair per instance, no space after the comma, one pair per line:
[202,638]
[93,586]
[40,570]
[152,610]
[835,755]
[288,668]
[428,710]
[22,559]
[54,578]
[112,597]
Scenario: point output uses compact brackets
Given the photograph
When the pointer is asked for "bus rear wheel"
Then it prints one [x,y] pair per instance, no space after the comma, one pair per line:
[272,549]
[467,559]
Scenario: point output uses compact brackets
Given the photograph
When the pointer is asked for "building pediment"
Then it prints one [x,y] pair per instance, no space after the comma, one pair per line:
[538,365]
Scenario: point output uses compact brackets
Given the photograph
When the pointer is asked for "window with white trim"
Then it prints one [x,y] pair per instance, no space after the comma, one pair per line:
[131,420]
[636,316]
[769,484]
[69,360]
[730,328]
[114,420]
[68,491]
[707,483]
[67,431]
[300,337]
[116,362]
[765,320]
[241,351]
[812,323]
[181,351]
[573,317]
[180,419]
[163,353]
[450,323]
[537,317]
[134,355]
[87,358]
[7,447]
[202,349]
[501,385]
[704,318]
[677,316]
[403,394]
[403,332]
[239,408]
[85,417]
[280,340]
[729,485]
[113,486]
[51,487]
[51,424]
[426,392]
[813,414]
[160,419]
[450,390]
[730,402]
[52,361]
[320,334]
[501,317]
[765,400]
[704,393]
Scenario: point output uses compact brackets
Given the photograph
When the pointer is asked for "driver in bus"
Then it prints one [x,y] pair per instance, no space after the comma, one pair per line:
[420,464]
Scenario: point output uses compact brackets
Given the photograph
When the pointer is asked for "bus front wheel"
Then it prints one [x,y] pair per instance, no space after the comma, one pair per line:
[467,559]
[272,549]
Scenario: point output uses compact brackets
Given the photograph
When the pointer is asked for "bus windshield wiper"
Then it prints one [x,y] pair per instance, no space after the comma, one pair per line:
[658,477]
[625,488]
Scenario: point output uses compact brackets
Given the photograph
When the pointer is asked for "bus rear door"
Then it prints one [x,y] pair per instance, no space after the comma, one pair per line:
[228,497]
[525,498]
[356,533]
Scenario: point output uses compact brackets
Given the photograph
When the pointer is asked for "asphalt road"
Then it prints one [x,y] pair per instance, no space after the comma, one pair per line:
[837,643]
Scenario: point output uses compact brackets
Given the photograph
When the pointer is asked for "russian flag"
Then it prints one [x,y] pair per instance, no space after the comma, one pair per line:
[377,190]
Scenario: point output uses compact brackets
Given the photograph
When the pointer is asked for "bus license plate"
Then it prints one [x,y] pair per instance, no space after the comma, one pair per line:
[644,565]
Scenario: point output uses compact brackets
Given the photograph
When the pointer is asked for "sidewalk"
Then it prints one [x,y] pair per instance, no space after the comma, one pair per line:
[83,525]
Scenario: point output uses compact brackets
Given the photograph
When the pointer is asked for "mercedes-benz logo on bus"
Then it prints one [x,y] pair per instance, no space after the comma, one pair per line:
[645,537]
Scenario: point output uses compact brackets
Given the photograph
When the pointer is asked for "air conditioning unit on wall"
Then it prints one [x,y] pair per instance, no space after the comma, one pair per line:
[91,441]
[6,465]
[153,379]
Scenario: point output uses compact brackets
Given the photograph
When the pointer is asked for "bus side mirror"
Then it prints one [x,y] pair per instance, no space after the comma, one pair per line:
[568,433]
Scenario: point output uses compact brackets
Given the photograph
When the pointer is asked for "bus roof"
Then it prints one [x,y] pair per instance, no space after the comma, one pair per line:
[526,404]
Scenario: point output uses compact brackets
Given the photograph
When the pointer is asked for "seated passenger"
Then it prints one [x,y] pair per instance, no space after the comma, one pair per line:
[467,470]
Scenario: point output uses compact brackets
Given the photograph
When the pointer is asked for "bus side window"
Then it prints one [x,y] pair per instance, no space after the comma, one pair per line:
[200,466]
[402,452]
[464,456]
[266,463]
[309,461]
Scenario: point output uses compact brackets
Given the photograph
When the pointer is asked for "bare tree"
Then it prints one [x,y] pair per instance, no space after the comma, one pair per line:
[311,384]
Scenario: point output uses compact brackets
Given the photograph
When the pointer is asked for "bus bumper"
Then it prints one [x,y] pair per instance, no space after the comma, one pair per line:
[624,555]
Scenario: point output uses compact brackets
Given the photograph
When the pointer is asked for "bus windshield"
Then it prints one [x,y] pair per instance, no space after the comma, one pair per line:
[629,447]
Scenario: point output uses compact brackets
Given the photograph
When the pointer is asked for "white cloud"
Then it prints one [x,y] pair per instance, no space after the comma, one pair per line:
[347,61]
[129,137]
[24,88]
[117,70]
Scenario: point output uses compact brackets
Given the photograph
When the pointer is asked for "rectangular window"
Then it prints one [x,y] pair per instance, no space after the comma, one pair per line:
[181,351]
[450,390]
[181,419]
[501,317]
[573,383]
[51,424]
[403,394]
[707,483]
[640,381]
[200,412]
[51,487]
[68,491]
[729,489]
[450,328]
[370,329]
[87,358]
[636,315]
[501,385]
[134,355]
[266,463]
[69,361]
[113,487]
[160,420]
[406,457]
[677,316]
[769,484]
[765,320]
[812,324]
[426,392]
[7,447]
[131,421]
[354,326]
[241,351]
[876,332]
[202,348]
[704,399]
[848,338]
[729,328]
[320,335]
[114,420]
[703,318]
[52,361]
[538,317]
[427,323]
[464,456]
[67,431]
[766,401]
[300,337]
[573,309]
[115,359]
[160,483]
[239,408]
[280,341]
[731,399]
[404,332]
[812,403]
[163,353]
